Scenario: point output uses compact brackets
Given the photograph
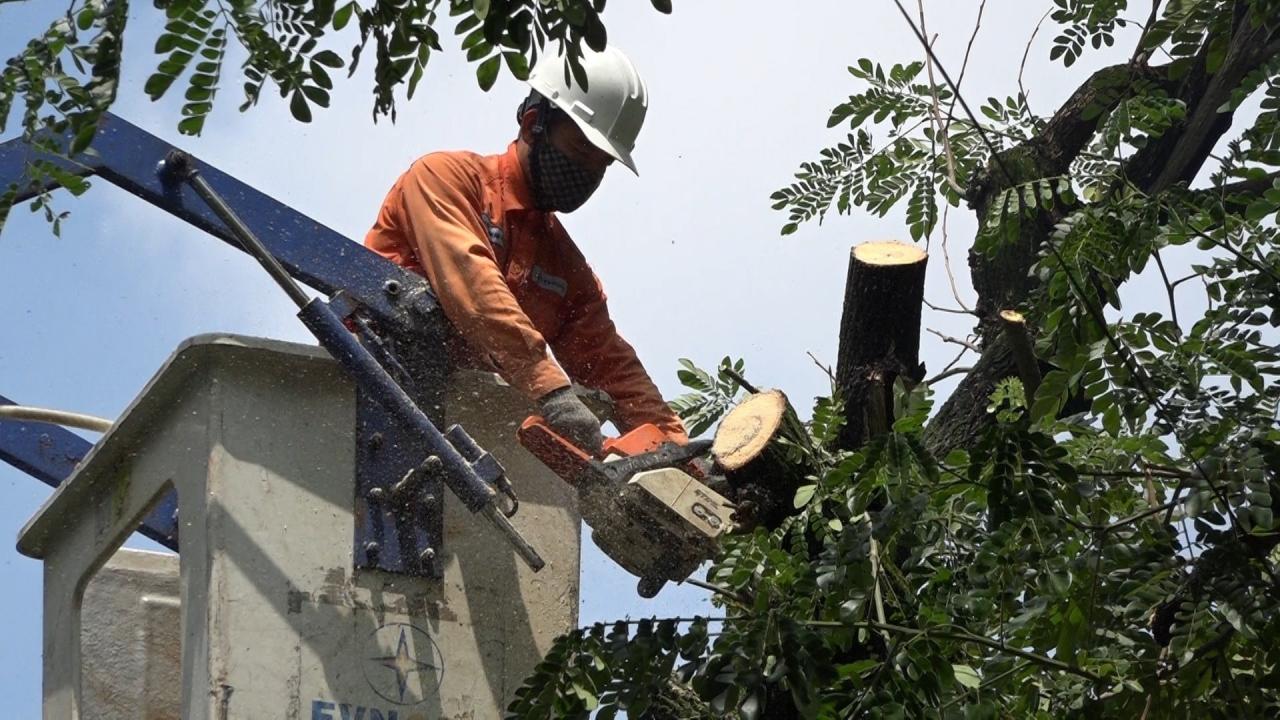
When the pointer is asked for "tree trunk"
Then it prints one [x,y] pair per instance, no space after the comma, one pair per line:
[879,333]
[1003,280]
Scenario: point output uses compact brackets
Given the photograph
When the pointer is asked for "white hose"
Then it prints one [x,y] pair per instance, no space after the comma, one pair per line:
[56,417]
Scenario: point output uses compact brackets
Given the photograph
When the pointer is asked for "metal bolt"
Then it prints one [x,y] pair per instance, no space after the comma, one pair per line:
[428,559]
[391,288]
[428,500]
[375,441]
[376,494]
[372,549]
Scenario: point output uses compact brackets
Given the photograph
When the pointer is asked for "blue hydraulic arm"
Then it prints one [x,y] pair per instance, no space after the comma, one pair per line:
[127,155]
[399,369]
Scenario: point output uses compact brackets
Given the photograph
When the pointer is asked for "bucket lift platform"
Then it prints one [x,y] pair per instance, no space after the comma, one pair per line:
[277,619]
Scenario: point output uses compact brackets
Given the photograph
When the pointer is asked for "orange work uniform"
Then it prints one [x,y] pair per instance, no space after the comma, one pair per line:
[512,282]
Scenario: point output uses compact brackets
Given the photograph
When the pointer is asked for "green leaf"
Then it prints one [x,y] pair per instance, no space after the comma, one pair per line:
[298,106]
[517,64]
[1070,632]
[803,495]
[316,95]
[192,125]
[588,698]
[1111,420]
[487,72]
[1262,518]
[328,58]
[343,15]
[966,676]
[84,136]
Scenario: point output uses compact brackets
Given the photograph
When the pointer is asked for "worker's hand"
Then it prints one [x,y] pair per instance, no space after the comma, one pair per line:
[568,416]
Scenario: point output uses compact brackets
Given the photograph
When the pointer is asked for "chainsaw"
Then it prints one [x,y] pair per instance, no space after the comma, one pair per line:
[643,497]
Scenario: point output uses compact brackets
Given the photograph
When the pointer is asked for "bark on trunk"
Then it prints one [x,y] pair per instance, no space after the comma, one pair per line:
[962,419]
[879,332]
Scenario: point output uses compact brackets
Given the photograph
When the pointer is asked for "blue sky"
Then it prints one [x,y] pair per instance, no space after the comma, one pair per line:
[689,252]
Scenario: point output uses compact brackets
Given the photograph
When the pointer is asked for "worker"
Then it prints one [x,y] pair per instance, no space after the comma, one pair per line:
[484,232]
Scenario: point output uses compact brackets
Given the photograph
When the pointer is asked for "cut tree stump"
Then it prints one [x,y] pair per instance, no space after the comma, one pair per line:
[1015,329]
[749,448]
[879,333]
[748,428]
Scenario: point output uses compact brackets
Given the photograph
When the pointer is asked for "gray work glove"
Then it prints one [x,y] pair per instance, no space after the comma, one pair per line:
[569,417]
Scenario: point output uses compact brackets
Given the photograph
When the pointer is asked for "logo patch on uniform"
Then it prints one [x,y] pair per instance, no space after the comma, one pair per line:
[557,285]
[495,232]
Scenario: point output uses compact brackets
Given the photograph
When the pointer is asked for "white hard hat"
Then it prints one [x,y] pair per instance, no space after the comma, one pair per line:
[610,110]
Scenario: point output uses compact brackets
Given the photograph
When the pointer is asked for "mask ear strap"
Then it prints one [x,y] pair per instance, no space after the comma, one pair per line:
[539,132]
[543,107]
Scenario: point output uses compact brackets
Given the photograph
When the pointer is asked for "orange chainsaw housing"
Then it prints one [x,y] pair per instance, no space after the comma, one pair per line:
[572,462]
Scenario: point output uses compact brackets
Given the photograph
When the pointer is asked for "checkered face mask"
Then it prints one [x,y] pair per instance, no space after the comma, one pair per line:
[559,183]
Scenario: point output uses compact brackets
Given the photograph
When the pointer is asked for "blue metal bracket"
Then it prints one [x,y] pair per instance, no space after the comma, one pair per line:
[397,529]
[391,304]
[49,453]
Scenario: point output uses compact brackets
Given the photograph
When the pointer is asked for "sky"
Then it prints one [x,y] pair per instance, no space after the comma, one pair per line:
[689,252]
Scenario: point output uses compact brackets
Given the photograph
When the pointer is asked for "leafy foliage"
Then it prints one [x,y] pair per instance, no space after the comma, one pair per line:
[1107,546]
[711,396]
[579,674]
[910,163]
[1017,579]
[66,78]
[1087,21]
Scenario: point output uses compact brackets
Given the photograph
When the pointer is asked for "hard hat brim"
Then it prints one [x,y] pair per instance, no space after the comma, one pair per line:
[602,141]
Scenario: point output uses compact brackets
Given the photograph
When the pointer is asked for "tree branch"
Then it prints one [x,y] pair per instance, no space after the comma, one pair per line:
[956,341]
[1235,196]
[1022,66]
[1178,154]
[962,635]
[948,372]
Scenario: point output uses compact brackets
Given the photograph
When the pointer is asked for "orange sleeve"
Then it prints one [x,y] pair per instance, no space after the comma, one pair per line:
[595,355]
[443,201]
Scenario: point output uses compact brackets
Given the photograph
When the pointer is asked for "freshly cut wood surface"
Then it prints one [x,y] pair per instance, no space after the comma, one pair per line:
[747,429]
[888,252]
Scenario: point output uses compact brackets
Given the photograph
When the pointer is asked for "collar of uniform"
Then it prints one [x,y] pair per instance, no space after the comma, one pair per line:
[519,195]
